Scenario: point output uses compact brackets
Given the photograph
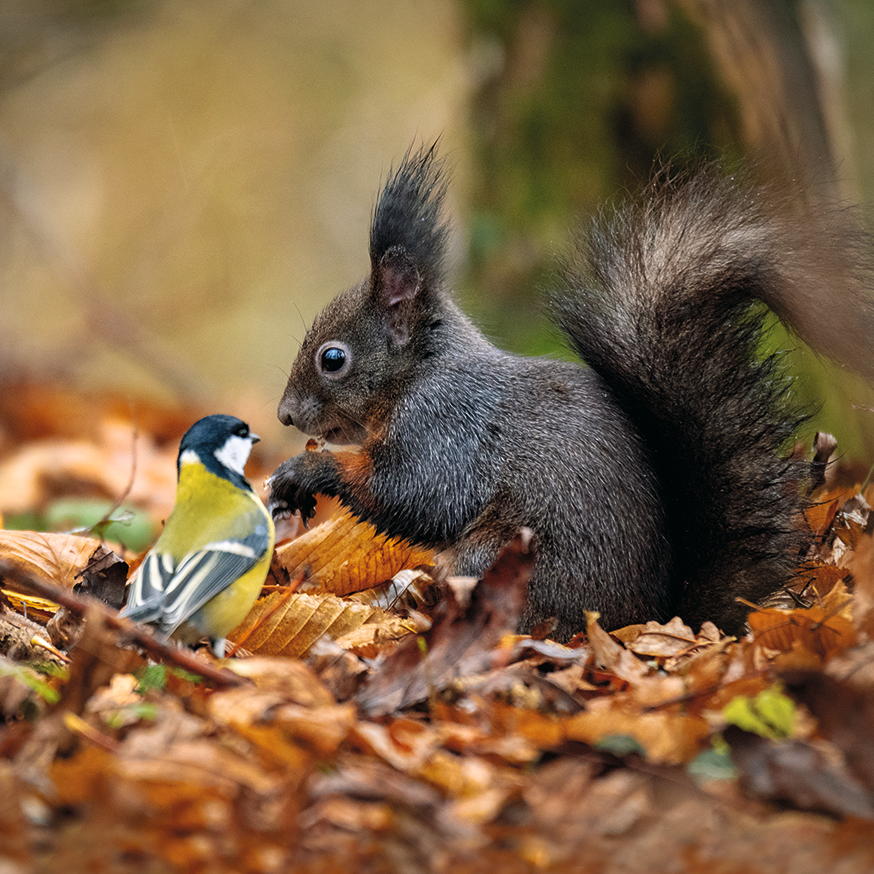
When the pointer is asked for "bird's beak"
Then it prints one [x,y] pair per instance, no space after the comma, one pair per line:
[254,438]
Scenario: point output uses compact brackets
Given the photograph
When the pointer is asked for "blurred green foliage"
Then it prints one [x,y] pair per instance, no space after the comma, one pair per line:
[131,527]
[578,100]
[582,101]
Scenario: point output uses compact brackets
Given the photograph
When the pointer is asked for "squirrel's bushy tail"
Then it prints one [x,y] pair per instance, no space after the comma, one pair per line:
[663,305]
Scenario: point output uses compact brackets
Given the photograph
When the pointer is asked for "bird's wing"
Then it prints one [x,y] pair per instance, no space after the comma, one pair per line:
[201,575]
[144,602]
[168,593]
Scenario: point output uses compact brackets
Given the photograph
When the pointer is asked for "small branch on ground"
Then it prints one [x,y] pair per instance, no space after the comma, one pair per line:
[157,649]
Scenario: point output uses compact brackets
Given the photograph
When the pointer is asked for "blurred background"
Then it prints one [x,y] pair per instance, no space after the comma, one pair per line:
[184,184]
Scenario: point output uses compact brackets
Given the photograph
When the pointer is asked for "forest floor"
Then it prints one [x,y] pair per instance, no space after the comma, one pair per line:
[375,716]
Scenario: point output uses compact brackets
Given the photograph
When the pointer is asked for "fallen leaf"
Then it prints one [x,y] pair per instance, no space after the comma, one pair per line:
[861,563]
[460,642]
[289,625]
[64,559]
[797,773]
[670,738]
[844,708]
[821,630]
[611,655]
[663,640]
[821,514]
[344,555]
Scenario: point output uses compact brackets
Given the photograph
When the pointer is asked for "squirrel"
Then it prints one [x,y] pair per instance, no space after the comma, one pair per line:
[652,478]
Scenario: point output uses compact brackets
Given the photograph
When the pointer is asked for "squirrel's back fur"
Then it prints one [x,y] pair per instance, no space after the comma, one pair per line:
[654,479]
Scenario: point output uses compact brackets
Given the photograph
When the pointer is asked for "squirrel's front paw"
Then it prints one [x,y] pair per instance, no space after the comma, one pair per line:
[289,492]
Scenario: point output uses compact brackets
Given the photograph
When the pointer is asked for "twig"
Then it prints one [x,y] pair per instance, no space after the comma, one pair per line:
[157,649]
[36,640]
[75,724]
[107,516]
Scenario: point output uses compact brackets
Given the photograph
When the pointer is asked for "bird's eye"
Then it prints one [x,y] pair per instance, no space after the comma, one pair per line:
[333,358]
[242,430]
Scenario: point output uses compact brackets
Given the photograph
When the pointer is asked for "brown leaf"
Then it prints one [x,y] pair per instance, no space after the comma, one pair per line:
[405,744]
[344,555]
[295,680]
[63,559]
[14,826]
[408,589]
[289,624]
[662,641]
[861,563]
[844,708]
[373,638]
[797,773]
[669,738]
[821,515]
[96,657]
[821,630]
[612,655]
[519,726]
[817,580]
[288,717]
[460,641]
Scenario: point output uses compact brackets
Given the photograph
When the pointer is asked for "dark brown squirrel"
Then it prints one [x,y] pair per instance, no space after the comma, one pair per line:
[652,479]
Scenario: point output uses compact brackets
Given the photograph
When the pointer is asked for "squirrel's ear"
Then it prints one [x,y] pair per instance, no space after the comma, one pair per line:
[397,283]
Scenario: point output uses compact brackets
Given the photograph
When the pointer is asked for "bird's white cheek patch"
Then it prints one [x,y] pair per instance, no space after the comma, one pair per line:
[235,453]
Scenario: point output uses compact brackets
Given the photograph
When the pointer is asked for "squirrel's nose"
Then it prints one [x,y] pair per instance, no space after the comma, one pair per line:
[285,412]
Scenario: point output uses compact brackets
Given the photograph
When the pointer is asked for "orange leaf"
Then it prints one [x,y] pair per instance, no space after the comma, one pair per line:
[668,738]
[289,625]
[821,515]
[823,629]
[344,555]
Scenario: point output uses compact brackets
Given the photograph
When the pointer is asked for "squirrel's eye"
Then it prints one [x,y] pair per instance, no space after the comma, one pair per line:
[333,358]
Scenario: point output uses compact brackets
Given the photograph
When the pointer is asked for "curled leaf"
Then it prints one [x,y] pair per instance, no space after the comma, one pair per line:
[64,559]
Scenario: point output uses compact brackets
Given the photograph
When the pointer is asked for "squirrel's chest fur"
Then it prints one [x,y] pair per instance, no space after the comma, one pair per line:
[525,442]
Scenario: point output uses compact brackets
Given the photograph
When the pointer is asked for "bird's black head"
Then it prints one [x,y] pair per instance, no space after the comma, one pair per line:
[221,443]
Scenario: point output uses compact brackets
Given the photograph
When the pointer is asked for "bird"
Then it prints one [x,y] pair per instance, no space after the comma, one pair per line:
[205,571]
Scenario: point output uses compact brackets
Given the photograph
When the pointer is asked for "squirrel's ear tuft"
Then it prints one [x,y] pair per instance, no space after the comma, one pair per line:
[408,214]
[396,284]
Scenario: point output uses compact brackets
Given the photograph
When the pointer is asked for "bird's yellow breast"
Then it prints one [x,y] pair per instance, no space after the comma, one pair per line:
[211,509]
[208,509]
[229,608]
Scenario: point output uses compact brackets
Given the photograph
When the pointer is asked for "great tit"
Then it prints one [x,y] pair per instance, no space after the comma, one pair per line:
[205,571]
